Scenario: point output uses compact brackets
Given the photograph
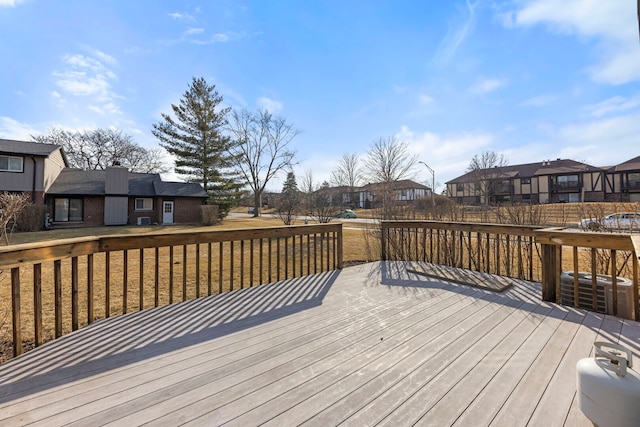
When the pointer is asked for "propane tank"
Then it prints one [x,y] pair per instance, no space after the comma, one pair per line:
[608,387]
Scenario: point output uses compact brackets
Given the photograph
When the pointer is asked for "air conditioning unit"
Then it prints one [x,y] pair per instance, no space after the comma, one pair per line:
[144,220]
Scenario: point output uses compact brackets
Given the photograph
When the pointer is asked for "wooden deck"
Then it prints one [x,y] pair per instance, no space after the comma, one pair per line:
[368,345]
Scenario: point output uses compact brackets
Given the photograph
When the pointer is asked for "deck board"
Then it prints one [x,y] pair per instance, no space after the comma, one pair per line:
[371,344]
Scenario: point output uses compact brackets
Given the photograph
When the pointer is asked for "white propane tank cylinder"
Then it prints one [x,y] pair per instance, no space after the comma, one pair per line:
[608,389]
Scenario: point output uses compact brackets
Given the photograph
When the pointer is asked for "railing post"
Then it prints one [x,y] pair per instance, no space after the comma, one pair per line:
[383,241]
[339,248]
[15,310]
[551,270]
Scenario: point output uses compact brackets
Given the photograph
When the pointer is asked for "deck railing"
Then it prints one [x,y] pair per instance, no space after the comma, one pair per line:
[61,285]
[506,250]
[530,253]
[604,257]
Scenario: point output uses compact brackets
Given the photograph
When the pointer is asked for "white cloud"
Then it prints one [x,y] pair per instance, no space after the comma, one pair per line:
[88,76]
[10,3]
[539,101]
[190,31]
[13,129]
[615,104]
[458,30]
[448,155]
[181,16]
[425,99]
[602,142]
[271,105]
[487,85]
[219,38]
[612,24]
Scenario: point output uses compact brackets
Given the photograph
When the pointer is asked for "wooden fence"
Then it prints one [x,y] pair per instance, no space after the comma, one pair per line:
[59,286]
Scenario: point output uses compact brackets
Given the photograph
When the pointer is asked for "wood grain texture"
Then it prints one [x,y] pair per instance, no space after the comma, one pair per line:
[365,345]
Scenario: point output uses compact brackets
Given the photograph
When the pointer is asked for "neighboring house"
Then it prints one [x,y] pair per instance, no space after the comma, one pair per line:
[94,197]
[623,181]
[405,190]
[30,167]
[549,181]
[116,196]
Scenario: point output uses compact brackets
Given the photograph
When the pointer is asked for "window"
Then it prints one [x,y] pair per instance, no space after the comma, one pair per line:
[567,181]
[66,210]
[10,164]
[459,187]
[144,204]
[525,181]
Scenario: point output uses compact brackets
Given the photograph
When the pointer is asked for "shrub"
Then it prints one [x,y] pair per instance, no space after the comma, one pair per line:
[210,214]
[31,218]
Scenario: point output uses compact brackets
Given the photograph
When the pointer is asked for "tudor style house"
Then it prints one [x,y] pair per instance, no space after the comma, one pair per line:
[623,181]
[76,197]
[549,181]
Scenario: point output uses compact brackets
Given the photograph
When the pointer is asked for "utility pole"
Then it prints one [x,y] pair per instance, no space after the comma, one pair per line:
[433,182]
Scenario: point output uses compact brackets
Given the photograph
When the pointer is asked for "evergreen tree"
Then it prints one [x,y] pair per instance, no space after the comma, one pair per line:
[289,200]
[202,152]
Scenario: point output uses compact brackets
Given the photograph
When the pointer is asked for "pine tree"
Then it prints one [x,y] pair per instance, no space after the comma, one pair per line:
[202,152]
[289,200]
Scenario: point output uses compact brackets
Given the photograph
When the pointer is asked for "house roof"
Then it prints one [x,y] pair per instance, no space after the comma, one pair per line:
[528,170]
[402,184]
[78,182]
[629,165]
[9,146]
[178,189]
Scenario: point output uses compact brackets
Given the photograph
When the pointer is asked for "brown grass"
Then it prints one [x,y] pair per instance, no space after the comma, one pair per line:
[353,250]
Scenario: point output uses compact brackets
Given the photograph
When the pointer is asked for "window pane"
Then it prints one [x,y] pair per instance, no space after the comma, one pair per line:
[75,210]
[4,163]
[144,204]
[61,210]
[15,164]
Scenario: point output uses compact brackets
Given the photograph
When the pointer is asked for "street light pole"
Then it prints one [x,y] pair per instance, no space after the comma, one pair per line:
[433,182]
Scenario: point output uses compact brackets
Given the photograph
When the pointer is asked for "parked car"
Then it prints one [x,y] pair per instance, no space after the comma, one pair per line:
[251,210]
[347,213]
[623,221]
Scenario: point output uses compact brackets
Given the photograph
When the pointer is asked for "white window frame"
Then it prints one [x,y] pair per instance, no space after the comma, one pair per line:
[9,161]
[145,201]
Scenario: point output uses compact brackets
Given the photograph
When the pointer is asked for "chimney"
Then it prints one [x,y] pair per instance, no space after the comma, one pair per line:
[116,181]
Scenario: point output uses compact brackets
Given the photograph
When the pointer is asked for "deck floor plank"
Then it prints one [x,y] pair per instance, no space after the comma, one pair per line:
[370,344]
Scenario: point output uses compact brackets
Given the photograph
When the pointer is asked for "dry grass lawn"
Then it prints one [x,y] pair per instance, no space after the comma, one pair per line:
[355,247]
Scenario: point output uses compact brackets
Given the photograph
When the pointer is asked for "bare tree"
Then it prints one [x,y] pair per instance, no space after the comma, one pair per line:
[324,204]
[485,168]
[347,173]
[263,148]
[11,205]
[387,161]
[100,148]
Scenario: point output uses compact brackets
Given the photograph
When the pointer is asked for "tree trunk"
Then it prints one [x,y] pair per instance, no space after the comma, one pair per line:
[257,205]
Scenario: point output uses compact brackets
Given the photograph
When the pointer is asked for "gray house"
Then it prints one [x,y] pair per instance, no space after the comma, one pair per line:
[29,167]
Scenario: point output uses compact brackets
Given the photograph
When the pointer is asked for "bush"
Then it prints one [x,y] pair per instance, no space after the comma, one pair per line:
[210,214]
[32,217]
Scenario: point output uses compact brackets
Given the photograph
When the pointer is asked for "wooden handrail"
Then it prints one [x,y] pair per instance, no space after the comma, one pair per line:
[67,275]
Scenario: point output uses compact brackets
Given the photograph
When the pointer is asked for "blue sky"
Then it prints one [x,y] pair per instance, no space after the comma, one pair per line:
[531,79]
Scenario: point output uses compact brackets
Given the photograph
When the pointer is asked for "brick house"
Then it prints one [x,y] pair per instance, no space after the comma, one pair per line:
[94,197]
[116,196]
